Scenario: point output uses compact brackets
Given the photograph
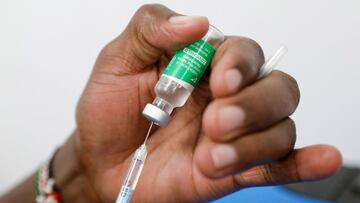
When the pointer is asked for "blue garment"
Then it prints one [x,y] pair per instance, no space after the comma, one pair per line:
[269,194]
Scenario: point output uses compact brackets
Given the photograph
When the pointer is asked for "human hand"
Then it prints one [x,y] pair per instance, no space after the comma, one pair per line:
[233,132]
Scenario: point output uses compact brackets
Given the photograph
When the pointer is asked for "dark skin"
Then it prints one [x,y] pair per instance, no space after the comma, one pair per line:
[256,131]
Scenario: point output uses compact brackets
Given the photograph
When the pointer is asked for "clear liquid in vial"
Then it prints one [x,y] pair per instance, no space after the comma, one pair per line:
[170,94]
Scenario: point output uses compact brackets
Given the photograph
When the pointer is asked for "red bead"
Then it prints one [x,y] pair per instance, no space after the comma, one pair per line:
[53,197]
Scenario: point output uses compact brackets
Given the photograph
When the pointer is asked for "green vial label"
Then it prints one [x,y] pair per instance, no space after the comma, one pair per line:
[190,63]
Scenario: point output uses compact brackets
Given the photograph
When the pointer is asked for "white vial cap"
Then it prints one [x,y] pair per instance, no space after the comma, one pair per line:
[157,115]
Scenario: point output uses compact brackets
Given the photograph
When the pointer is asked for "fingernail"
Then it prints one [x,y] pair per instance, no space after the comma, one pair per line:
[181,20]
[233,79]
[223,155]
[230,118]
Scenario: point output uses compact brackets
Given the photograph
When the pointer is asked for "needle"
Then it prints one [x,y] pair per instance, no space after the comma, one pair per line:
[148,133]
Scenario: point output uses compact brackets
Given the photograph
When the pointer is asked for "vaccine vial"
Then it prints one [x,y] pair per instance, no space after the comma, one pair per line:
[181,76]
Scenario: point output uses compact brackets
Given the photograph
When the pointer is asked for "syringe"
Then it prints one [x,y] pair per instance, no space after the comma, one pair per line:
[138,160]
[135,169]
[271,62]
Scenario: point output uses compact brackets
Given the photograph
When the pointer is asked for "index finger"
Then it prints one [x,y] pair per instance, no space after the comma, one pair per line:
[235,65]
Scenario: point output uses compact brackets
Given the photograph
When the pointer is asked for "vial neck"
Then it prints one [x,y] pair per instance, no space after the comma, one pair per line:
[163,104]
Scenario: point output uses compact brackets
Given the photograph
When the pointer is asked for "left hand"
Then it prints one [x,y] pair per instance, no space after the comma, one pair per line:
[231,133]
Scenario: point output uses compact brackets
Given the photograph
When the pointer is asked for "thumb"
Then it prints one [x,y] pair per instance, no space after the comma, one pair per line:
[153,30]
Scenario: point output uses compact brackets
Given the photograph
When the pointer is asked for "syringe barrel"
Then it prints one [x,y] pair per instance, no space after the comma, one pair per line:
[133,175]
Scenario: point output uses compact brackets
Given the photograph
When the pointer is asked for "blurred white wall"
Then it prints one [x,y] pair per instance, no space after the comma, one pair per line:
[47,49]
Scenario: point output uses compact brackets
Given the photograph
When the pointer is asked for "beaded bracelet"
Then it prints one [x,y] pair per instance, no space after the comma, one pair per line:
[46,191]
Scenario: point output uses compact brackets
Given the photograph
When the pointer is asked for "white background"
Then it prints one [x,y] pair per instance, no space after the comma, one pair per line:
[47,49]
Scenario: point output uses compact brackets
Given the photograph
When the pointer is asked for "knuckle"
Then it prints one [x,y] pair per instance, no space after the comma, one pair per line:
[143,31]
[267,174]
[150,26]
[258,51]
[253,44]
[292,88]
[284,137]
[148,10]
[249,59]
[290,132]
[146,18]
[292,127]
